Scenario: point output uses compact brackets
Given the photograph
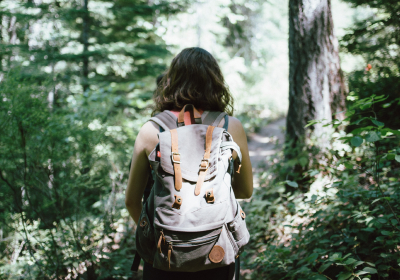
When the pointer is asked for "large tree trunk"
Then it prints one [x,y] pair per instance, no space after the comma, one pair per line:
[316,87]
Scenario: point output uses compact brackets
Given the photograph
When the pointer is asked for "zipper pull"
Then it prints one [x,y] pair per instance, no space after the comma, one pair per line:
[162,238]
[169,254]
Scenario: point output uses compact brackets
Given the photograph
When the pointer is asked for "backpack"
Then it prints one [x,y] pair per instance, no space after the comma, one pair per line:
[191,220]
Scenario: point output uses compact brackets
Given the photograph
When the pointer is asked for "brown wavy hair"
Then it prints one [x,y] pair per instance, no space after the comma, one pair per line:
[194,77]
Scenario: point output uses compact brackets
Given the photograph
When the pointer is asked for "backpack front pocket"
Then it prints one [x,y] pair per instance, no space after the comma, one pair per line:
[187,251]
[145,242]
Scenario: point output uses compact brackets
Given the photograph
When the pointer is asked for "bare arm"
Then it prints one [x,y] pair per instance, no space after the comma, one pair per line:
[145,142]
[242,182]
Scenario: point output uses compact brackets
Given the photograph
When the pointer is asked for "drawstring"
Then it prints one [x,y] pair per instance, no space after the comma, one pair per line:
[169,254]
[159,240]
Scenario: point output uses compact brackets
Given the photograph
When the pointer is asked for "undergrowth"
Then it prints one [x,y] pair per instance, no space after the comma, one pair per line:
[339,219]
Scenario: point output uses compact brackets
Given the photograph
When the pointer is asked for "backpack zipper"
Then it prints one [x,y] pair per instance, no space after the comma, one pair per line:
[195,242]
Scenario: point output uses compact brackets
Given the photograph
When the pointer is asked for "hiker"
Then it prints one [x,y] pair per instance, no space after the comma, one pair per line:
[194,78]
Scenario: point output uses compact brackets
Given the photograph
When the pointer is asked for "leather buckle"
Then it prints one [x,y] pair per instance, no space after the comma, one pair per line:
[210,196]
[204,167]
[177,160]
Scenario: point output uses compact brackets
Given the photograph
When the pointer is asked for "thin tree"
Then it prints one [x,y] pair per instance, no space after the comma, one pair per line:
[316,86]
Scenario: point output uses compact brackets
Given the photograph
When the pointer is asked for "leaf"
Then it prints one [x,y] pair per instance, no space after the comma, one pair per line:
[319,277]
[377,123]
[292,184]
[345,275]
[397,158]
[303,161]
[370,270]
[356,141]
[312,258]
[394,222]
[372,136]
[382,220]
[391,156]
[366,106]
[375,200]
[324,267]
[350,261]
[310,123]
[357,263]
[385,131]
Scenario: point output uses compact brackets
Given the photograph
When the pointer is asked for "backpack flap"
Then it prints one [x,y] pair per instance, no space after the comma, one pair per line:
[191,146]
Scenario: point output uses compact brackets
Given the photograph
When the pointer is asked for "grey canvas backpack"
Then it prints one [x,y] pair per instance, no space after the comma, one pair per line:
[191,220]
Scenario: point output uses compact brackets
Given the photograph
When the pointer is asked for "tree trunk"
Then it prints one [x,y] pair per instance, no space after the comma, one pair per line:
[316,87]
[85,41]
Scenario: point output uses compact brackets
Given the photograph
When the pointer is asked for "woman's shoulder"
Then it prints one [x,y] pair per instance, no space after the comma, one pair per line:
[235,128]
[233,125]
[147,138]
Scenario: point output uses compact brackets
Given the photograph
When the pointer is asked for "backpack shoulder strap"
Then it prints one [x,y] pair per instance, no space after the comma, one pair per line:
[166,120]
[213,118]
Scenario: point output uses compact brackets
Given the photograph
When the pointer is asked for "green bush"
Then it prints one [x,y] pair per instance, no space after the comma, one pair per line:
[62,181]
[341,220]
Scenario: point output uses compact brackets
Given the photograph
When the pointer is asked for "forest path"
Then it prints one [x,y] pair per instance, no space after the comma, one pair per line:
[267,141]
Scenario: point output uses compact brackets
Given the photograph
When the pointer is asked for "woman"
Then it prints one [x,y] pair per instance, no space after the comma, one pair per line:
[194,77]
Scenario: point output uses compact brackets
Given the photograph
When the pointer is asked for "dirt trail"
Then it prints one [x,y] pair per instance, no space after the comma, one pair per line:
[263,144]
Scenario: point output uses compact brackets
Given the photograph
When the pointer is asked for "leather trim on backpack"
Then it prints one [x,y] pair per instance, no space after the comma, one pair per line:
[176,159]
[217,254]
[205,161]
[191,159]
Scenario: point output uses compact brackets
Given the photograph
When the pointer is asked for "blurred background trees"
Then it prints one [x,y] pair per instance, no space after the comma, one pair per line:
[76,84]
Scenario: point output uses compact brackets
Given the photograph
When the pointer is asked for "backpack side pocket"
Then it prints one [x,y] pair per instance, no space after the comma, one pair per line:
[238,229]
[145,242]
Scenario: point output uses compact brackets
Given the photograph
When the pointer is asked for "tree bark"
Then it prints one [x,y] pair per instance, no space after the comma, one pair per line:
[316,86]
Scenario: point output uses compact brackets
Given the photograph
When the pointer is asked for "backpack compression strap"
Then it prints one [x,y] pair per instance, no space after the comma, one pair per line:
[205,161]
[176,159]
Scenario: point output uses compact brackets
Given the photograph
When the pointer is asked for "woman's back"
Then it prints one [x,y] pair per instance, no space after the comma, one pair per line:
[205,89]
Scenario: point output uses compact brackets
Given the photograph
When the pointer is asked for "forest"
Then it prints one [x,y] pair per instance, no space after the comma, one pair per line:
[76,84]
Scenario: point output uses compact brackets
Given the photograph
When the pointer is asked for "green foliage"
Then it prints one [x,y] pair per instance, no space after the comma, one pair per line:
[374,38]
[342,220]
[76,86]
[63,209]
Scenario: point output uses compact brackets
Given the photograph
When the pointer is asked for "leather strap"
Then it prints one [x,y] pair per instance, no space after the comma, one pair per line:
[176,159]
[196,115]
[205,161]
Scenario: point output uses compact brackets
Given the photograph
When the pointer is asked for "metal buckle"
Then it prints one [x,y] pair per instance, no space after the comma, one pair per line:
[175,154]
[204,168]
